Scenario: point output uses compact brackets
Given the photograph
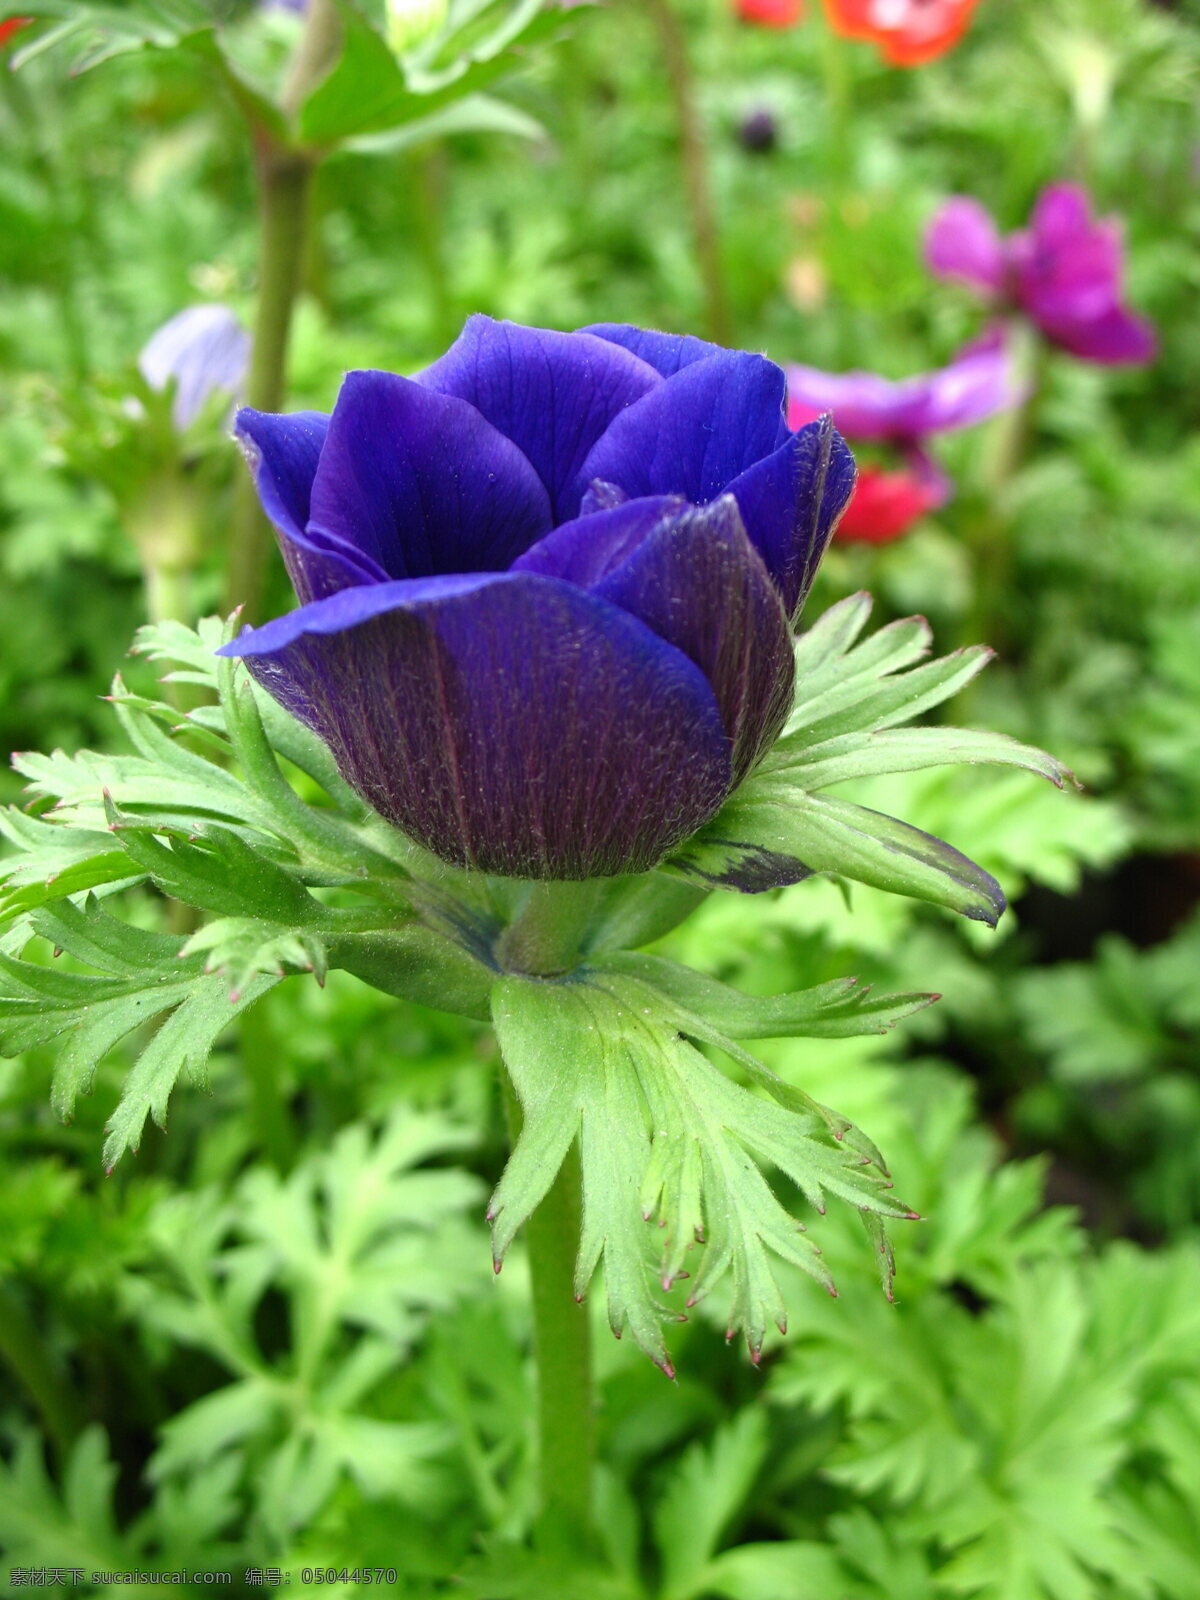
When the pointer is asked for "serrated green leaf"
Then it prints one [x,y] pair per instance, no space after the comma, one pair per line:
[97,31]
[836,1010]
[183,1043]
[217,871]
[53,861]
[775,829]
[662,1132]
[858,701]
[866,755]
[771,832]
[242,947]
[474,113]
[369,91]
[706,1490]
[92,935]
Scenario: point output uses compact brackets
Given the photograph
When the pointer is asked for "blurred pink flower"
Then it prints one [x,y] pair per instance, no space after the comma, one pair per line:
[901,415]
[1065,271]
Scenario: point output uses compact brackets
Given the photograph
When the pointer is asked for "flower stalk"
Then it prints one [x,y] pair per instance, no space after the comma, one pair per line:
[562,1348]
[285,179]
[693,158]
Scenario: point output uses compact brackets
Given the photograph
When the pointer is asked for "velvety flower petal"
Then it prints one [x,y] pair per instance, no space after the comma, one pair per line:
[553,394]
[700,584]
[790,504]
[963,242]
[588,548]
[420,483]
[695,432]
[283,452]
[508,722]
[665,352]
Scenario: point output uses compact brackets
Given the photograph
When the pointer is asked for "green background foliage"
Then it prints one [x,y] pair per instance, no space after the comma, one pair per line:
[272,1337]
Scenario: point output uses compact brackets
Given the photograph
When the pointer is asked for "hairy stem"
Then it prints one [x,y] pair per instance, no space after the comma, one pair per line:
[563,1348]
[693,159]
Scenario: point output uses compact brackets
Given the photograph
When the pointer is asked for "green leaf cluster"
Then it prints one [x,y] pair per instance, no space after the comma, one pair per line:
[779,827]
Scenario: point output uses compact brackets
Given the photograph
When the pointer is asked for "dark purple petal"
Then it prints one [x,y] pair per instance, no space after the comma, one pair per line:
[694,433]
[699,583]
[420,483]
[665,352]
[283,452]
[508,722]
[553,394]
[790,504]
[588,548]
[963,242]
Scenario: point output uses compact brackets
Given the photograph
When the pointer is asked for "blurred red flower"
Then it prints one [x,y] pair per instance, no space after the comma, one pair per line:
[10,25]
[885,505]
[908,32]
[771,13]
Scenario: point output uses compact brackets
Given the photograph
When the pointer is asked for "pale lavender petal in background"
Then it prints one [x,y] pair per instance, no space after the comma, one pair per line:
[205,350]
[868,407]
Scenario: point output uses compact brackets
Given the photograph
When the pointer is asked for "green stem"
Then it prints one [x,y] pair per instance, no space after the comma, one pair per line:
[835,71]
[991,538]
[562,1347]
[548,935]
[23,1350]
[285,186]
[429,176]
[285,178]
[693,159]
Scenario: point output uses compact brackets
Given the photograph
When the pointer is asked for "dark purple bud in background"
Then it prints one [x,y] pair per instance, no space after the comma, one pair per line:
[546,586]
[758,131]
[205,350]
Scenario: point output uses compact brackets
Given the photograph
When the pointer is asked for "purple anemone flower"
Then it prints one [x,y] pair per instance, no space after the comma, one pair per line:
[1065,272]
[546,587]
[972,387]
[205,350]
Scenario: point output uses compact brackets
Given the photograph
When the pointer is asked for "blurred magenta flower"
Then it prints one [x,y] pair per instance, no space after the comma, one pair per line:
[1065,271]
[546,587]
[204,350]
[906,32]
[901,416]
